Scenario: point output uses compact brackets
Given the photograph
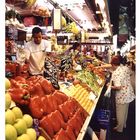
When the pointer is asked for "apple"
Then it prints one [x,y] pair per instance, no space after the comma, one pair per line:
[9,117]
[23,137]
[41,138]
[20,126]
[17,111]
[31,133]
[7,84]
[28,119]
[7,100]
[10,132]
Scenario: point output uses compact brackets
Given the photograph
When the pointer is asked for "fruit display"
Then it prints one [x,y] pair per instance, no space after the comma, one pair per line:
[7,84]
[18,126]
[72,28]
[41,11]
[82,95]
[63,22]
[46,105]
[91,79]
[30,3]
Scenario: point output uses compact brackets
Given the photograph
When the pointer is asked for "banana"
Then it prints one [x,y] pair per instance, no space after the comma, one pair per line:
[30,3]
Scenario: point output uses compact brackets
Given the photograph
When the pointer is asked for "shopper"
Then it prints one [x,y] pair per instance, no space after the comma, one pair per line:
[119,56]
[124,92]
[36,52]
[74,50]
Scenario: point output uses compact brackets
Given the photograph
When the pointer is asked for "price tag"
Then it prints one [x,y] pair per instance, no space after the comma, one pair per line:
[92,96]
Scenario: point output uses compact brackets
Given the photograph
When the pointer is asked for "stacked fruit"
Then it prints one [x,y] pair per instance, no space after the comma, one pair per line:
[60,116]
[18,125]
[82,96]
[91,79]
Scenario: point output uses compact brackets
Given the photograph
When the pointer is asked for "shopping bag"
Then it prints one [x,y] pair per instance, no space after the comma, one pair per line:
[108,91]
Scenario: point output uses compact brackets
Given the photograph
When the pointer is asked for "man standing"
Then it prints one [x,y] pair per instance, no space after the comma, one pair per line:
[36,52]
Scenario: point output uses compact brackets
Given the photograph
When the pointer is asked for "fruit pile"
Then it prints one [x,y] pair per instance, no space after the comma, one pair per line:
[82,96]
[72,28]
[60,116]
[18,125]
[91,79]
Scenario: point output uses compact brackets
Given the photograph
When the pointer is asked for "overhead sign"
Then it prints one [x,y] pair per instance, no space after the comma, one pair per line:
[57,17]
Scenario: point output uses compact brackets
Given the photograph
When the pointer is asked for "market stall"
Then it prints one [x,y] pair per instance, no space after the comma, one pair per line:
[61,102]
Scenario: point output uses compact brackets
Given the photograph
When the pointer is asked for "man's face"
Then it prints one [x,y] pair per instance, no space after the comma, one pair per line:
[37,38]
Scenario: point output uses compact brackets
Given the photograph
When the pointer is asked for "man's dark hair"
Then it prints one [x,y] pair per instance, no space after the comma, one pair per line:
[118,53]
[36,30]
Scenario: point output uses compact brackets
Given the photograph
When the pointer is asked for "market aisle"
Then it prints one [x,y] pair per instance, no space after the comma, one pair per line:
[129,132]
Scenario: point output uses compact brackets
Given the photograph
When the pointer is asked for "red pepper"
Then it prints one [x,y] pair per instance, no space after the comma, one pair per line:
[14,84]
[18,84]
[20,79]
[19,95]
[46,85]
[36,90]
[36,107]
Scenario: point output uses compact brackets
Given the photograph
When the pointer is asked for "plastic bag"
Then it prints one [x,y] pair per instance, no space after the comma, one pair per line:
[108,92]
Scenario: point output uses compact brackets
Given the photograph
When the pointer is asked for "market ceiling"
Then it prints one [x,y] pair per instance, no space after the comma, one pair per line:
[113,7]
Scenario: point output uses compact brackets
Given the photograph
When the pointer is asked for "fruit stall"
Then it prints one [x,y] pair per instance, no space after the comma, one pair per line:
[57,109]
[59,104]
[34,107]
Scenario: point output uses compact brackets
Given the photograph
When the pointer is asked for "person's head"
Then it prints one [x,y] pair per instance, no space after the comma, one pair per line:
[118,53]
[115,62]
[37,35]
[95,53]
[76,46]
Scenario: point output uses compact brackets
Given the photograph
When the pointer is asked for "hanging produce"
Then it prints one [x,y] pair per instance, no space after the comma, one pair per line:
[42,11]
[63,21]
[72,28]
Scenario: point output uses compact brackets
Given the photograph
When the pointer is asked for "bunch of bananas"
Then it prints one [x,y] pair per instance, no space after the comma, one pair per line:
[30,3]
[72,27]
[64,22]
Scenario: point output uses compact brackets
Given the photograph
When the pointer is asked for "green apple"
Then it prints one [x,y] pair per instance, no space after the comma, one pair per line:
[23,137]
[31,133]
[41,138]
[10,132]
[20,126]
[7,84]
[9,117]
[7,100]
[28,119]
[17,111]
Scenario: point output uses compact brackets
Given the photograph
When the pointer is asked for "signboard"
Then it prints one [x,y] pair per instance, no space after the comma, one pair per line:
[57,19]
